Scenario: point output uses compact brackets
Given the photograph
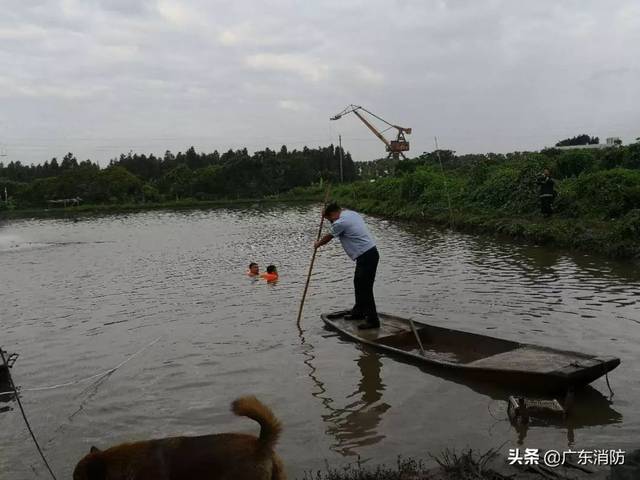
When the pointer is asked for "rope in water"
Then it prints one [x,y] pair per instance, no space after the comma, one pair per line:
[66,384]
[97,375]
[24,416]
[606,376]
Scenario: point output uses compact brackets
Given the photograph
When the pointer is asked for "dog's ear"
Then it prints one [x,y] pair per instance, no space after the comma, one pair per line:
[94,450]
[96,468]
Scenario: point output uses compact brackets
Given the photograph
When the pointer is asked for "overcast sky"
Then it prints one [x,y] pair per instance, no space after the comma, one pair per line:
[101,77]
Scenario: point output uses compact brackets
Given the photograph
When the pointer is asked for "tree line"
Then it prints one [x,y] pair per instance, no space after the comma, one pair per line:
[583,139]
[134,178]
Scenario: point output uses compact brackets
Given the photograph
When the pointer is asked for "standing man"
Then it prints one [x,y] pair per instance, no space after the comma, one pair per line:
[547,193]
[359,245]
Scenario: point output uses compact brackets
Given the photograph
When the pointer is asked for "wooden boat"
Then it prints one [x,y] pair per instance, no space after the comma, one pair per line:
[478,357]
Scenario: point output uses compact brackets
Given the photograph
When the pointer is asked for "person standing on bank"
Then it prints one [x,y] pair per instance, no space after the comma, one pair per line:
[358,244]
[547,193]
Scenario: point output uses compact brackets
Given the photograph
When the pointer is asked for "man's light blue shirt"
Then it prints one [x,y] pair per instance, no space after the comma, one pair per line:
[353,234]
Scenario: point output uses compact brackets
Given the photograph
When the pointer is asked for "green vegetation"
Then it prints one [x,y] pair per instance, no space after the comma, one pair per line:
[140,179]
[597,208]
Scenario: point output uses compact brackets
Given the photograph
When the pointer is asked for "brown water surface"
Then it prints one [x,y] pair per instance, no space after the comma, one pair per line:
[78,298]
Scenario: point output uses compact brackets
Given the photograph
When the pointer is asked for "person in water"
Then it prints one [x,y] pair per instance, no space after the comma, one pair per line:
[271,275]
[254,270]
[360,246]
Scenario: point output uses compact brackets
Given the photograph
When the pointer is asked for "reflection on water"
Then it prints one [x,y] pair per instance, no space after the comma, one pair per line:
[356,424]
[6,394]
[80,297]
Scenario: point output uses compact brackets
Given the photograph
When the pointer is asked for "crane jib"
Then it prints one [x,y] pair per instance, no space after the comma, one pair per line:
[394,147]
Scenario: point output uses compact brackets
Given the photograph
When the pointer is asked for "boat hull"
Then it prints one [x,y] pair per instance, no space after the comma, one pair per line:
[479,357]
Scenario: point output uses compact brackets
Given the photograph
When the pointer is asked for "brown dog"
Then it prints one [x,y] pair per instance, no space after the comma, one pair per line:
[226,456]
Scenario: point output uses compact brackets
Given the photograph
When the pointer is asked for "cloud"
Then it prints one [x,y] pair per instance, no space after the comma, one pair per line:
[293,105]
[480,74]
[10,88]
[301,65]
[22,32]
[177,13]
[237,35]
[368,75]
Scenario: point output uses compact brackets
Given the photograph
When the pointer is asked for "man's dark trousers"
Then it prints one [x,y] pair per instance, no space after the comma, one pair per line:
[365,276]
[545,204]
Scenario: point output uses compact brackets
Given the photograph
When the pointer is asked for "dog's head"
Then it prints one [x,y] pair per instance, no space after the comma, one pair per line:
[91,467]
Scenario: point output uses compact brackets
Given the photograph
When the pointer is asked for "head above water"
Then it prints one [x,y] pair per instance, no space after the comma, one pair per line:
[253,268]
[332,212]
[272,269]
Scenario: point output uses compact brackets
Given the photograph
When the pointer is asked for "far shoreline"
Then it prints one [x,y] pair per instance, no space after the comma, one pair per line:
[576,235]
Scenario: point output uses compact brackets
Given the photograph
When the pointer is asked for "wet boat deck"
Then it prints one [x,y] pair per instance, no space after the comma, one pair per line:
[530,359]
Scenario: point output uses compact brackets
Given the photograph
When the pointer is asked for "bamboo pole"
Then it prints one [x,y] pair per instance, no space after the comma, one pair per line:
[313,256]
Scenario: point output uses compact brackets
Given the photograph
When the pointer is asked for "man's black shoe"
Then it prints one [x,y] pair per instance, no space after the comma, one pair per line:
[336,315]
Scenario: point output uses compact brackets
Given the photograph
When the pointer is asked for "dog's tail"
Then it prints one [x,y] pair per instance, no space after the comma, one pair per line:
[269,425]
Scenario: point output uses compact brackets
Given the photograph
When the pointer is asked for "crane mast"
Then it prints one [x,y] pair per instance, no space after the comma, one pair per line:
[394,147]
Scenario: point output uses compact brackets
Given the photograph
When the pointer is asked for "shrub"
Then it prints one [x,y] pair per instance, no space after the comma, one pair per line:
[611,158]
[572,163]
[567,201]
[611,193]
[632,156]
[629,225]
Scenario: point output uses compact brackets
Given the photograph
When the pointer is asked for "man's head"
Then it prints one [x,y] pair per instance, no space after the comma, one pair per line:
[253,268]
[546,172]
[332,212]
[271,269]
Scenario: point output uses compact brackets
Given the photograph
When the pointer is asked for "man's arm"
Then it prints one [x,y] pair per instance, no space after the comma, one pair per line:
[323,241]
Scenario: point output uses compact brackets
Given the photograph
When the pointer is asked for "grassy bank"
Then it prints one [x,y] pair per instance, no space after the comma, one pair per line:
[467,465]
[597,208]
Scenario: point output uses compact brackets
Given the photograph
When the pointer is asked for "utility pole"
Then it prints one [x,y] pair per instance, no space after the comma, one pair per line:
[341,173]
[6,197]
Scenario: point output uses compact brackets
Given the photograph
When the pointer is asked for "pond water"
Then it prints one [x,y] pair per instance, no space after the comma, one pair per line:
[80,297]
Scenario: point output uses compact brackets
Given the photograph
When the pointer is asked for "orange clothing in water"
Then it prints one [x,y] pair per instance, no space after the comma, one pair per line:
[269,277]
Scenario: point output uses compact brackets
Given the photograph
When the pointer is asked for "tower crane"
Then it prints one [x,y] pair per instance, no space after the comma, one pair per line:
[394,147]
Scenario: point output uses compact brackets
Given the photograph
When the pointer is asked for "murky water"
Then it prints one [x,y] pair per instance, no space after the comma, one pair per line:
[78,298]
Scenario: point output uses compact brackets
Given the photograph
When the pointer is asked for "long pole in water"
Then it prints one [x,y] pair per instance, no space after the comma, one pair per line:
[313,256]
